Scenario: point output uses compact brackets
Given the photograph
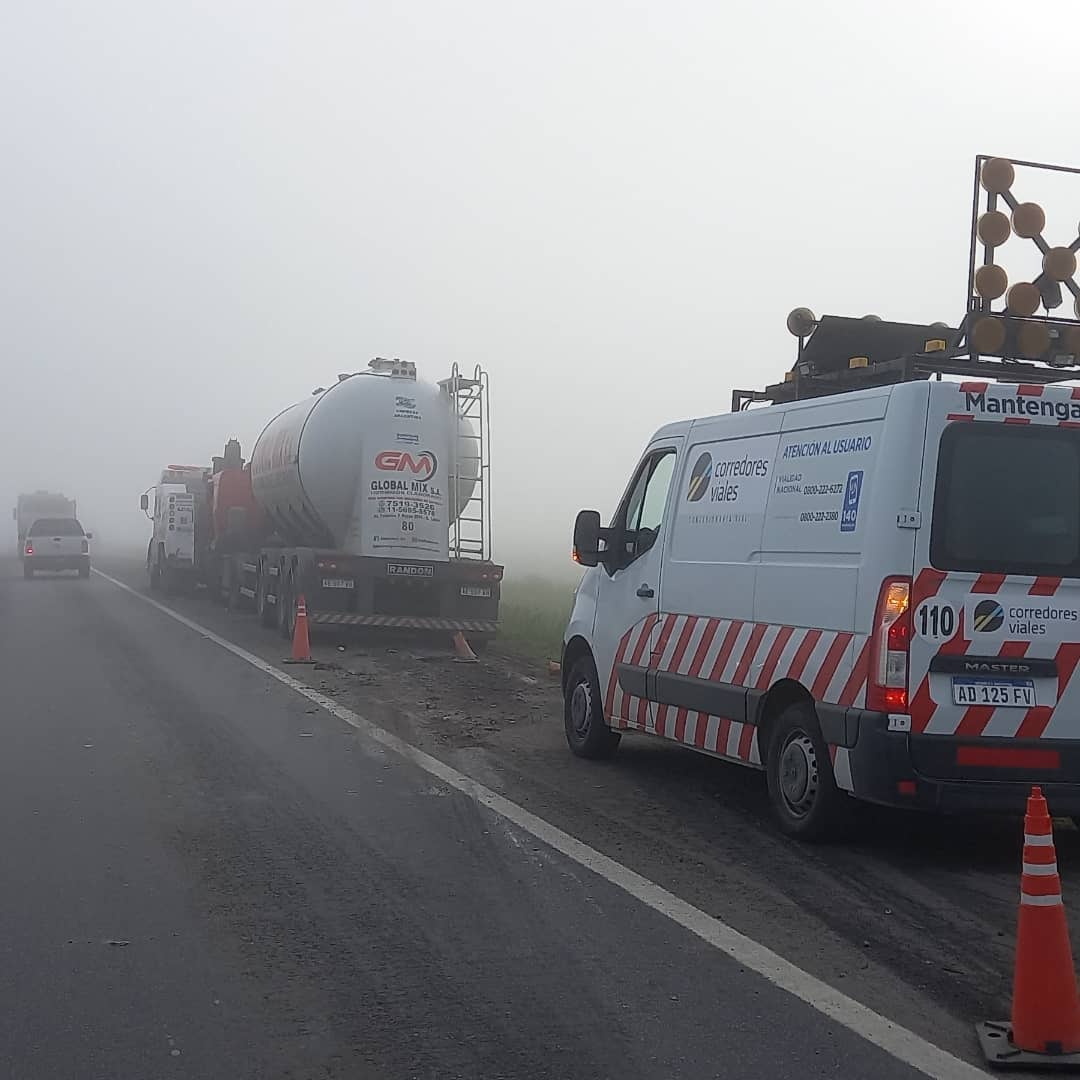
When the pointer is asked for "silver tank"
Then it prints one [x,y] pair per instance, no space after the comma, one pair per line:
[379,464]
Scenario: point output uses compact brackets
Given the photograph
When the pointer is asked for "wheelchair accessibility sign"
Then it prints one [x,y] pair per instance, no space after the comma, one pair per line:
[849,515]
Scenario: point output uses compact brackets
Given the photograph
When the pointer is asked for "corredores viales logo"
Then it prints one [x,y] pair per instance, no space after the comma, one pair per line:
[422,465]
[1021,405]
[719,479]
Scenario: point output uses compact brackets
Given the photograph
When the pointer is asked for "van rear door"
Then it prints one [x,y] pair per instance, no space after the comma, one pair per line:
[995,635]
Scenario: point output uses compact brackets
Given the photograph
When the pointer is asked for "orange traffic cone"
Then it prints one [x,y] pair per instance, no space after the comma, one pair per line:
[462,649]
[301,645]
[1045,1025]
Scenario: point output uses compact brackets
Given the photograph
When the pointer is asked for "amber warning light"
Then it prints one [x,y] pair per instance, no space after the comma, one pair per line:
[1025,318]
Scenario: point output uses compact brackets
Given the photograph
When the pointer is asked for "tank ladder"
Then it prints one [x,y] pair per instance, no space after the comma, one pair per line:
[470,533]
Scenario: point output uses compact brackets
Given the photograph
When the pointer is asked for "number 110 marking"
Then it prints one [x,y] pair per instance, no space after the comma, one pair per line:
[936,621]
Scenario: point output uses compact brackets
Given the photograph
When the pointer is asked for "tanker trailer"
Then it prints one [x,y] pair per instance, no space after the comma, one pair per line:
[374,493]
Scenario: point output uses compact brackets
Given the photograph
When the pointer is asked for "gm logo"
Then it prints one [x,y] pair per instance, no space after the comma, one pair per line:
[422,465]
[988,617]
[700,475]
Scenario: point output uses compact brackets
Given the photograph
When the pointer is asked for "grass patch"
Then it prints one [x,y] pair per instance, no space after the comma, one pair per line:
[532,616]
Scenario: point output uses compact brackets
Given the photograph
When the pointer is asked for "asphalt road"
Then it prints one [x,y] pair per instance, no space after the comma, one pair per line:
[205,875]
[911,915]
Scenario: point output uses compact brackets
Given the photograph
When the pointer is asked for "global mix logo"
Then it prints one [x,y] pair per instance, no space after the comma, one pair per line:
[988,616]
[700,475]
[422,466]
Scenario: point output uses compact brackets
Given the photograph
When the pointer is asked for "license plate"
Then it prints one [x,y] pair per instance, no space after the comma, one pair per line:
[1000,693]
[475,590]
[337,583]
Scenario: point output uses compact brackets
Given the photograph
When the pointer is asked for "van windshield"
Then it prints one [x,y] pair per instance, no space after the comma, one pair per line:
[1008,500]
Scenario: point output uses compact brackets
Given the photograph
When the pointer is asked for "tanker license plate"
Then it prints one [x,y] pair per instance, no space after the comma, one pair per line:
[475,590]
[337,583]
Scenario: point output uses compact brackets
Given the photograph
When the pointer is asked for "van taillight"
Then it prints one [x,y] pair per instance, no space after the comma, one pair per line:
[29,548]
[890,642]
[85,548]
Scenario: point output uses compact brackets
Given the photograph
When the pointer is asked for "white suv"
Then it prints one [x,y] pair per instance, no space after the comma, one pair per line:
[56,544]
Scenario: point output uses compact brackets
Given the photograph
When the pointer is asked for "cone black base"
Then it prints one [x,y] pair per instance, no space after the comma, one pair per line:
[994,1040]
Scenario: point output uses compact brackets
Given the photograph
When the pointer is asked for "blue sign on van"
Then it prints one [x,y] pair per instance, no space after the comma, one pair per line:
[852,492]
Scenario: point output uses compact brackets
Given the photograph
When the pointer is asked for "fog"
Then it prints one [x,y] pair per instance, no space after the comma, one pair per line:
[211,208]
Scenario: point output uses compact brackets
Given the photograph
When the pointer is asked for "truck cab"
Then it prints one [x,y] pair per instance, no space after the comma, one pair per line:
[172,506]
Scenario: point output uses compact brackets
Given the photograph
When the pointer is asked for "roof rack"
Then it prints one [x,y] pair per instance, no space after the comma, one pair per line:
[1009,343]
[844,354]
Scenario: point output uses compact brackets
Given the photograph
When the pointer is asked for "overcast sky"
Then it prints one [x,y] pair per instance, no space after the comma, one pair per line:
[209,208]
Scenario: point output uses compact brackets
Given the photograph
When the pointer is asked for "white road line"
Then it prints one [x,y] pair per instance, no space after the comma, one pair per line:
[902,1044]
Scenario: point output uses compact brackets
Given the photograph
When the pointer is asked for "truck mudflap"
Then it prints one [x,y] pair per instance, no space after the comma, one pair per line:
[403,622]
[949,774]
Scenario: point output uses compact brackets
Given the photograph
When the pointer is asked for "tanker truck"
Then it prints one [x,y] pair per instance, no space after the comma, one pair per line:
[369,499]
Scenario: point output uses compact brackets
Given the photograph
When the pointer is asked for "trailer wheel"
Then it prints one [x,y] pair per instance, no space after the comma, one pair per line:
[231,587]
[805,799]
[587,733]
[286,604]
[215,585]
[267,614]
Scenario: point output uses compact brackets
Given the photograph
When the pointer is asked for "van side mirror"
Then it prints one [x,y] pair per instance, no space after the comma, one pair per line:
[587,537]
[144,502]
[89,536]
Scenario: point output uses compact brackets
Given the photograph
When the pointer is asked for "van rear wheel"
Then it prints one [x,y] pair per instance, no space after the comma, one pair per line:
[587,733]
[803,792]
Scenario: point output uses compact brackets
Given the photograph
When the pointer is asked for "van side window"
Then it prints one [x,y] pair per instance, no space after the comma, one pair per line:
[642,514]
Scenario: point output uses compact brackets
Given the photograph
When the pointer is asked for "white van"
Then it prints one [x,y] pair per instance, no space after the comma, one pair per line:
[874,594]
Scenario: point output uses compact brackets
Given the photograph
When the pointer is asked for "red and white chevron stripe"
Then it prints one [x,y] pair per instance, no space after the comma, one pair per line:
[715,734]
[985,720]
[830,663]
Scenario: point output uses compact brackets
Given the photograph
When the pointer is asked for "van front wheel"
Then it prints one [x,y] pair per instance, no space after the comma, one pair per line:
[805,799]
[587,733]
